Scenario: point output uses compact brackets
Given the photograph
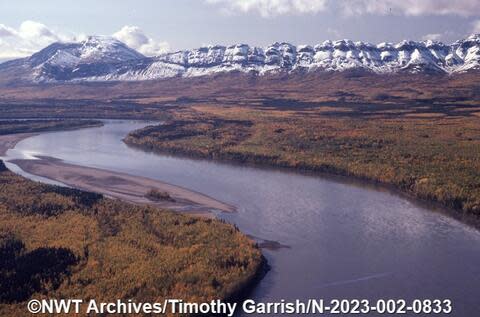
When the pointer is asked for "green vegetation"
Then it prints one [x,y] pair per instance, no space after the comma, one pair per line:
[431,151]
[59,242]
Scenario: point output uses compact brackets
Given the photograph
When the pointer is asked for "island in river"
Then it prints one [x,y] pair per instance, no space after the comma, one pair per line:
[345,239]
[133,189]
[60,242]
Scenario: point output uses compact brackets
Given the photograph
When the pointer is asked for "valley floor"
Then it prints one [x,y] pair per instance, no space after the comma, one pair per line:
[431,151]
[84,245]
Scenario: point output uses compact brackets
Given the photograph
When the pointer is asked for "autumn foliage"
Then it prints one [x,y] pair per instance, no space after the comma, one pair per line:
[57,242]
[431,151]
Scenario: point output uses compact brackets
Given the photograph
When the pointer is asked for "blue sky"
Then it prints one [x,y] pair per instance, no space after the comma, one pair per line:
[156,26]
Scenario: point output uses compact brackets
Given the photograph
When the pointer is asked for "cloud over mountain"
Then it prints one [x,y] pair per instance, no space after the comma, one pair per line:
[476,26]
[27,39]
[134,37]
[32,36]
[100,58]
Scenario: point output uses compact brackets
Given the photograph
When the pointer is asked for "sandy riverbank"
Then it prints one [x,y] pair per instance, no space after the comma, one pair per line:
[9,141]
[122,186]
[113,184]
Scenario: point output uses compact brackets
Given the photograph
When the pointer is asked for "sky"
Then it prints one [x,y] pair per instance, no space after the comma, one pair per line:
[157,26]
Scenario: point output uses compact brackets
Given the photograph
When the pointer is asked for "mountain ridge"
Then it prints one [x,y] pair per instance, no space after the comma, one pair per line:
[107,59]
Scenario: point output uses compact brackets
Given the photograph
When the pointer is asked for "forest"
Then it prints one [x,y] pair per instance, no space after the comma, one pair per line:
[59,242]
[32,126]
[430,150]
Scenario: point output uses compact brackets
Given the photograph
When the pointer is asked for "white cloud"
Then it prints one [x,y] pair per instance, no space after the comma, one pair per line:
[445,37]
[6,31]
[134,37]
[32,36]
[432,37]
[334,32]
[412,7]
[476,26]
[269,8]
[35,30]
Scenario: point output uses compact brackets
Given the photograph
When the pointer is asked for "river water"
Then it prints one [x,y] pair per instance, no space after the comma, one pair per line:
[342,240]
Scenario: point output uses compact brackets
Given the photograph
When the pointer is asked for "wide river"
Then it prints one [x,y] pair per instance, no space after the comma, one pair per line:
[344,240]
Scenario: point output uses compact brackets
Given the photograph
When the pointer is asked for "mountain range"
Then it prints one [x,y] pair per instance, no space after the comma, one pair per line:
[106,59]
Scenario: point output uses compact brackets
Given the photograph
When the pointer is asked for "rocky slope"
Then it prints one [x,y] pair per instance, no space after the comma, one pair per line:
[106,59]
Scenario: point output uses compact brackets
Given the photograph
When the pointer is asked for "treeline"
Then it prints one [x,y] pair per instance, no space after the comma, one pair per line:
[211,135]
[432,157]
[32,126]
[58,242]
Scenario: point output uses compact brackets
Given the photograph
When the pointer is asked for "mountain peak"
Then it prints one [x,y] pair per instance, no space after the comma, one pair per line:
[104,48]
[101,39]
[474,37]
[92,50]
[101,58]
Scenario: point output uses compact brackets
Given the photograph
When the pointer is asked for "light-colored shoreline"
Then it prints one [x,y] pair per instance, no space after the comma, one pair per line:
[113,184]
[10,140]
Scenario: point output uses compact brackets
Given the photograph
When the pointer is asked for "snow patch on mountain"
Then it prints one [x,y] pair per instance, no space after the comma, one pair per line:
[104,59]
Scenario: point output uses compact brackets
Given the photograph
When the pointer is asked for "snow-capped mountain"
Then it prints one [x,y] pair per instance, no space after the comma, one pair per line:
[103,59]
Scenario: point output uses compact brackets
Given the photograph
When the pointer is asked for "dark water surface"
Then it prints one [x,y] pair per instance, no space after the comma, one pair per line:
[346,241]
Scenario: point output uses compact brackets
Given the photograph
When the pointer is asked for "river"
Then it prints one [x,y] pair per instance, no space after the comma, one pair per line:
[342,239]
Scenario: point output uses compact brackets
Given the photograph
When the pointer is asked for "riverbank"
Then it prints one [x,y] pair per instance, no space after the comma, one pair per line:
[133,189]
[13,131]
[94,245]
[337,233]
[430,154]
[122,186]
[10,140]
[338,176]
[62,242]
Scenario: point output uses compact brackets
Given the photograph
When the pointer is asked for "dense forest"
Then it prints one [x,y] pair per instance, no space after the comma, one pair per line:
[58,242]
[431,151]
